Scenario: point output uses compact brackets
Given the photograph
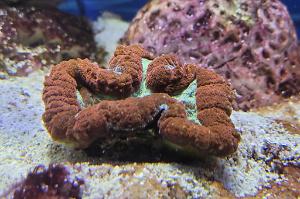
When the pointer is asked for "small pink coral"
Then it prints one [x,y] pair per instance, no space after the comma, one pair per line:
[45,183]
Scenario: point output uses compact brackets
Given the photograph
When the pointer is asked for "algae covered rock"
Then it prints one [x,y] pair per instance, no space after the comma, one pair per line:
[36,37]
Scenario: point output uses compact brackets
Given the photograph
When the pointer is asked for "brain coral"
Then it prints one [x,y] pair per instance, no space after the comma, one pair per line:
[32,38]
[71,123]
[250,42]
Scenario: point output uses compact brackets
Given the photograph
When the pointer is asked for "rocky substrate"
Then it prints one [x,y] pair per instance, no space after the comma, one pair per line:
[266,148]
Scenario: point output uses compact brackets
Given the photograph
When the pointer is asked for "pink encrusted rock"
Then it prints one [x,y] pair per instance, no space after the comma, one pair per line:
[252,43]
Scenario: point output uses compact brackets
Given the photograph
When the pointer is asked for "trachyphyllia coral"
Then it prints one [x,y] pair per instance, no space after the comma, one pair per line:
[68,122]
[252,43]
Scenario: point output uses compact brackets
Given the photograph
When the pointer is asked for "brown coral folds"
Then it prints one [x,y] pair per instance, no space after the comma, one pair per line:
[214,100]
[127,59]
[60,98]
[66,121]
[217,136]
[167,74]
[135,50]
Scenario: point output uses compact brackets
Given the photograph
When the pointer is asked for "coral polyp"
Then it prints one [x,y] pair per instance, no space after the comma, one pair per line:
[68,122]
[166,74]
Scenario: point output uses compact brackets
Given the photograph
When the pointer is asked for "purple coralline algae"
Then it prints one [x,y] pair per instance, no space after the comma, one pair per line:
[252,43]
[52,182]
